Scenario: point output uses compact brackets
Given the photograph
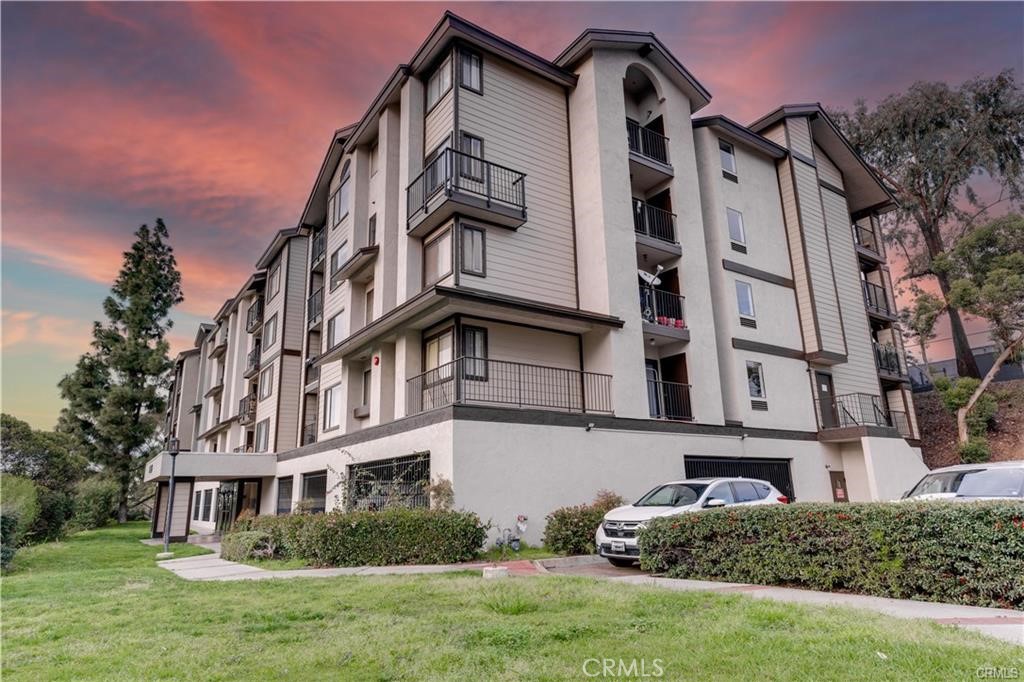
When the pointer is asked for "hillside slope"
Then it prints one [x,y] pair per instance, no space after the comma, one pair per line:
[938,426]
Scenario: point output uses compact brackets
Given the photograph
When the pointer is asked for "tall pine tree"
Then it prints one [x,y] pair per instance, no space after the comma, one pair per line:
[115,395]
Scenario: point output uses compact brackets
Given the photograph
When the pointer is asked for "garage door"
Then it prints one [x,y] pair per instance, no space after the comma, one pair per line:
[775,471]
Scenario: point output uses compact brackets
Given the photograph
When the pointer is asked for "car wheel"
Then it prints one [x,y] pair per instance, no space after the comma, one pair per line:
[621,563]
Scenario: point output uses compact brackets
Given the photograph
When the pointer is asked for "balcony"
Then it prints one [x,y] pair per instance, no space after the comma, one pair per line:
[216,388]
[867,242]
[669,400]
[315,309]
[887,359]
[899,421]
[839,419]
[456,182]
[876,301]
[221,347]
[663,314]
[312,379]
[252,362]
[309,433]
[318,249]
[498,383]
[655,230]
[648,156]
[247,409]
[254,317]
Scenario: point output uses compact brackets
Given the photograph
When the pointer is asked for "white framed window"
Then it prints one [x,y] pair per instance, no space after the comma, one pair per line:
[438,351]
[338,206]
[728,156]
[736,232]
[332,407]
[367,386]
[267,382]
[439,83]
[745,299]
[368,305]
[437,258]
[336,329]
[263,435]
[270,332]
[755,380]
[471,71]
[473,251]
[274,282]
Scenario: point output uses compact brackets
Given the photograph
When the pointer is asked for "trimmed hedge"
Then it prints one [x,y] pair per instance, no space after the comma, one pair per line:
[570,530]
[360,538]
[965,553]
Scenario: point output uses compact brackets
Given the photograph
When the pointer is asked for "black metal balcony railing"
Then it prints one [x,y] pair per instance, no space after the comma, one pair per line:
[875,299]
[898,420]
[662,307]
[309,433]
[315,308]
[866,238]
[254,316]
[252,361]
[647,142]
[455,171]
[319,247]
[480,381]
[887,358]
[851,409]
[247,409]
[654,222]
[669,400]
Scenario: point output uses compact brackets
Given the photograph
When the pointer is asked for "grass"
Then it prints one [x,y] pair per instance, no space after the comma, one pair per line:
[525,552]
[96,607]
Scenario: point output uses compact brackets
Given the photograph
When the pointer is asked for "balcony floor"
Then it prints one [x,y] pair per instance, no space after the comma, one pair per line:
[662,334]
[443,206]
[651,252]
[645,172]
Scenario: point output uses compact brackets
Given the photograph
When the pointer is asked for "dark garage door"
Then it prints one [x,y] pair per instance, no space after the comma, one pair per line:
[775,471]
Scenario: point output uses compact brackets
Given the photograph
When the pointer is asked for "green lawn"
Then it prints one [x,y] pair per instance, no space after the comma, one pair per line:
[97,608]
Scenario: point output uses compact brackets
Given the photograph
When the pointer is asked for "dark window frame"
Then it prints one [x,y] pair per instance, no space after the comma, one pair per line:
[730,148]
[266,345]
[471,54]
[266,371]
[467,166]
[760,373]
[472,370]
[291,494]
[303,491]
[331,327]
[326,408]
[207,503]
[197,504]
[266,432]
[463,267]
[275,275]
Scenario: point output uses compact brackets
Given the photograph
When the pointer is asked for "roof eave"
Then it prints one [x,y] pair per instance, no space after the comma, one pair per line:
[741,134]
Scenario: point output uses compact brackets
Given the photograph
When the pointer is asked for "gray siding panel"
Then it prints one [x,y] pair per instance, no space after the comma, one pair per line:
[796,250]
[827,170]
[439,122]
[523,122]
[800,136]
[286,433]
[295,290]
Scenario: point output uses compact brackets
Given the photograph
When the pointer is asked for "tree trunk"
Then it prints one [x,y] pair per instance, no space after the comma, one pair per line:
[966,366]
[122,503]
[961,414]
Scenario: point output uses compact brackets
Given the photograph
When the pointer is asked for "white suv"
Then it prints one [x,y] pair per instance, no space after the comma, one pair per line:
[616,536]
[988,481]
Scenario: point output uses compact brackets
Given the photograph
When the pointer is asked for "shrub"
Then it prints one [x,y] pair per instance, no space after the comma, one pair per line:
[974,450]
[362,538]
[8,537]
[247,544]
[939,551]
[20,499]
[56,509]
[95,502]
[570,530]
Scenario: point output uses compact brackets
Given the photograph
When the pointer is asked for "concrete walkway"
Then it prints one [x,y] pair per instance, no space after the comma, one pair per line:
[1005,624]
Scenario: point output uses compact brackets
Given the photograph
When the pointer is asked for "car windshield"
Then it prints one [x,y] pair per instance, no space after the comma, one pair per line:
[944,482]
[672,495]
[993,483]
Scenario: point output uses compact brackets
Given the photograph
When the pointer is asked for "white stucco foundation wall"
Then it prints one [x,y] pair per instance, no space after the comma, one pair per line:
[893,467]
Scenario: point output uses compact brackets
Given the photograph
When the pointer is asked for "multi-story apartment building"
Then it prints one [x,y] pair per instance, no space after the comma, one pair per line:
[539,278]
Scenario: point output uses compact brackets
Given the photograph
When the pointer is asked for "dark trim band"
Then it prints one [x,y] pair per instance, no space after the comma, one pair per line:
[768,349]
[740,268]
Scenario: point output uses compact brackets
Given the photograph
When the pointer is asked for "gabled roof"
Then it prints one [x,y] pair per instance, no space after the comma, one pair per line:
[204,330]
[277,243]
[314,214]
[646,45]
[224,309]
[742,134]
[864,189]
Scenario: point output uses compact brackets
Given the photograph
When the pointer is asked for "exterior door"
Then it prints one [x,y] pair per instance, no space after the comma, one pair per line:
[826,400]
[653,393]
[839,493]
[226,501]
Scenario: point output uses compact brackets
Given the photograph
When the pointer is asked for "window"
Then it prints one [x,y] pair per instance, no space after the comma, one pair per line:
[332,407]
[474,350]
[368,306]
[314,491]
[440,83]
[728,156]
[736,232]
[197,504]
[284,495]
[207,503]
[755,380]
[270,333]
[745,299]
[267,382]
[338,259]
[338,207]
[371,230]
[263,435]
[435,168]
[389,483]
[473,251]
[723,492]
[437,258]
[744,491]
[438,351]
[472,168]
[367,387]
[336,330]
[471,71]
[274,282]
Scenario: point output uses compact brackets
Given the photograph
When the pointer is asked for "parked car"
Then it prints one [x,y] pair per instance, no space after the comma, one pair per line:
[616,536]
[993,480]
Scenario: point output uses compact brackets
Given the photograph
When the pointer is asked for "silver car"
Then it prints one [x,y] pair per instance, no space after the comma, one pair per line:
[988,481]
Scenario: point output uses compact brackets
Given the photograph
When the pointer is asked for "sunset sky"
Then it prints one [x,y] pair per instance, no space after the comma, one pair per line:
[215,117]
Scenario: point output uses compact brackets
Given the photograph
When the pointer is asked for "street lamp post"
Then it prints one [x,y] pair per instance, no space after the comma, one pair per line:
[172,450]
